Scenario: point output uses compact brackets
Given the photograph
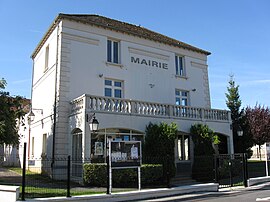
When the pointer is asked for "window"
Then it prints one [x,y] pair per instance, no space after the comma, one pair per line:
[33,146]
[113,88]
[183,143]
[179,66]
[46,58]
[44,144]
[181,97]
[113,51]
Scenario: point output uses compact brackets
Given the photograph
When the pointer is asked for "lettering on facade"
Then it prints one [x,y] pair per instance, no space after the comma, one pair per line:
[151,63]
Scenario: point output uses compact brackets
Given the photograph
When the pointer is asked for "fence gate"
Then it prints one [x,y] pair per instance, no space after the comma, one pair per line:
[231,170]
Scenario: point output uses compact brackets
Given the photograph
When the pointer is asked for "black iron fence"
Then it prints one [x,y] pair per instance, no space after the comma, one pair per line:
[227,170]
[46,177]
[231,170]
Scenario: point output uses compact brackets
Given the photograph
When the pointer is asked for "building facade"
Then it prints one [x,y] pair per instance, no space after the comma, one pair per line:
[128,76]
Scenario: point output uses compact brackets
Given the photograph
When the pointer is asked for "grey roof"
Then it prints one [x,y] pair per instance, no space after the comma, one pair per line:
[119,26]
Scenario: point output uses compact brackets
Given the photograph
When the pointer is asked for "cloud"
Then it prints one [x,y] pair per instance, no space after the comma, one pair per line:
[35,31]
[20,81]
[255,82]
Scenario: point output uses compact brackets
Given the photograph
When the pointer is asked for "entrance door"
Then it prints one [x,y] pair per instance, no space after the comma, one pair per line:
[77,153]
[183,165]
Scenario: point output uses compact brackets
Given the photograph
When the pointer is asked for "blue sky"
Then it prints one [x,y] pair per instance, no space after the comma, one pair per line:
[237,33]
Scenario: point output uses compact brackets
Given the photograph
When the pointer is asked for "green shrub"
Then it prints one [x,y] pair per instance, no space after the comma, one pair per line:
[152,174]
[96,175]
[159,144]
[203,168]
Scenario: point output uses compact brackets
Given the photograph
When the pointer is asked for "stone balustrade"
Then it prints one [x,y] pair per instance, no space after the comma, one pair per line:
[134,107]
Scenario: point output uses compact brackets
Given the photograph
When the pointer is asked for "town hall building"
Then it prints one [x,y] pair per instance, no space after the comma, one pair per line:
[123,75]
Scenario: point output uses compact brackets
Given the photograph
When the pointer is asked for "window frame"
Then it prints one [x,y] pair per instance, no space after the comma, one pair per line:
[47,55]
[44,144]
[113,56]
[33,147]
[113,87]
[181,97]
[180,67]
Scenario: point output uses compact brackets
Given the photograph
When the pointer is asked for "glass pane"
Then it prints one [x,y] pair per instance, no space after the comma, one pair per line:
[184,93]
[184,102]
[108,82]
[180,62]
[118,83]
[177,92]
[109,50]
[177,101]
[115,52]
[117,93]
[179,143]
[108,92]
[186,147]
[181,68]
[176,65]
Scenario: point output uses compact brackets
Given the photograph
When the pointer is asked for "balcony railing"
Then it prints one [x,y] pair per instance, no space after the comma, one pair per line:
[134,107]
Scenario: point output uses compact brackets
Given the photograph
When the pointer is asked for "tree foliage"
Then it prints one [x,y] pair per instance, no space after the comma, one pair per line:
[159,145]
[10,112]
[233,101]
[258,120]
[204,140]
[244,143]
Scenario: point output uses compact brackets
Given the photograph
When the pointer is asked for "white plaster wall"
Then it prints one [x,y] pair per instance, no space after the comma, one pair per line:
[88,55]
[43,91]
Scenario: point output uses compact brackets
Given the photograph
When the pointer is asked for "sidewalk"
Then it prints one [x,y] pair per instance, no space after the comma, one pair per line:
[9,177]
[138,195]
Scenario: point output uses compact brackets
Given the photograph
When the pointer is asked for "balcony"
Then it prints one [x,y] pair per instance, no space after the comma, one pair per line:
[140,108]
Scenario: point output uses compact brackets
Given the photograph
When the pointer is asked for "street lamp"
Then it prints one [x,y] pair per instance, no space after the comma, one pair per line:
[93,124]
[31,115]
[240,131]
[240,134]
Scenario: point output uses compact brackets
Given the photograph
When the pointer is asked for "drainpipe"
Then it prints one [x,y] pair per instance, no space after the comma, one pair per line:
[29,121]
[55,100]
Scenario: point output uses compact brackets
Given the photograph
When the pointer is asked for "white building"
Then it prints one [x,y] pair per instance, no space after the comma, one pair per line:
[128,76]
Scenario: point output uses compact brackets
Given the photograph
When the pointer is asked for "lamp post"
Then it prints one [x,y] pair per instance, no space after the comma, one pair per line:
[240,135]
[266,160]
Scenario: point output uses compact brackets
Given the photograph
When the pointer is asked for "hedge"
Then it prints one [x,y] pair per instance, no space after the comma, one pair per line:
[95,174]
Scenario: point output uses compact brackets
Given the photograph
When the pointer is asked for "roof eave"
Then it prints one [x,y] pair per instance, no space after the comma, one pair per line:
[63,16]
[46,36]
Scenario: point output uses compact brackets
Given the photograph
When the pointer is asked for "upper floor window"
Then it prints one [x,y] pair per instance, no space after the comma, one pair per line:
[181,97]
[180,66]
[113,51]
[47,58]
[113,88]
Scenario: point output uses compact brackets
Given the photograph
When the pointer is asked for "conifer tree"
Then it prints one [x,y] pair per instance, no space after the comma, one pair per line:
[234,102]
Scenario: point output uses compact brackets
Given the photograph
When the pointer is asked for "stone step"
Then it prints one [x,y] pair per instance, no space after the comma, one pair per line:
[182,179]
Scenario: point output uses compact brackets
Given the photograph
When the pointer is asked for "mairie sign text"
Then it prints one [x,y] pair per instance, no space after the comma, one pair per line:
[151,63]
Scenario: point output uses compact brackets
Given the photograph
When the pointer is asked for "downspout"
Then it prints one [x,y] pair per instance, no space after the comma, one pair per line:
[55,100]
[29,121]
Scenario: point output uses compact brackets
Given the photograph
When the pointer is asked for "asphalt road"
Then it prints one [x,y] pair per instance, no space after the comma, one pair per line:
[243,194]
